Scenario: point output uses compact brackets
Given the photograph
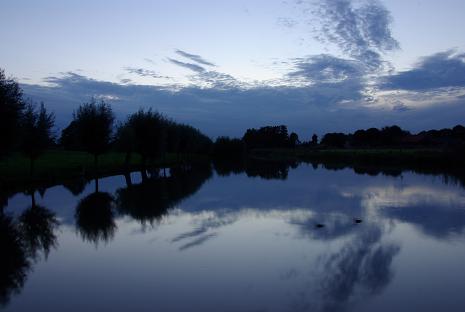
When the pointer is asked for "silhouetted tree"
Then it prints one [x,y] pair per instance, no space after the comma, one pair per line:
[69,137]
[293,140]
[149,134]
[126,141]
[94,125]
[11,106]
[227,148]
[36,130]
[314,141]
[337,140]
[267,137]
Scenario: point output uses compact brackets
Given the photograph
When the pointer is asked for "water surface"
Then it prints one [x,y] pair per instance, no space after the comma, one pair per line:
[273,238]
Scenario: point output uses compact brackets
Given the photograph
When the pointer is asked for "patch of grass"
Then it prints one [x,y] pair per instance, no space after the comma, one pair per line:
[56,166]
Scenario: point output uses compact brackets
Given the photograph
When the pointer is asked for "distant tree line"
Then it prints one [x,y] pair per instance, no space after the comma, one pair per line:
[395,137]
[272,137]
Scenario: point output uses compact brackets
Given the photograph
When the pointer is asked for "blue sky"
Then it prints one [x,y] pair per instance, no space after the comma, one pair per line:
[224,66]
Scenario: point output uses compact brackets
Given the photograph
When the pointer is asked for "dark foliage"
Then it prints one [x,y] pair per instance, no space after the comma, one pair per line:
[93,124]
[227,148]
[387,136]
[11,107]
[268,137]
[337,140]
[36,131]
[152,135]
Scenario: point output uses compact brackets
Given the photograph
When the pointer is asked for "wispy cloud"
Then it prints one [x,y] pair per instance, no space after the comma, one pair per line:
[194,57]
[143,72]
[208,78]
[363,31]
[327,68]
[191,66]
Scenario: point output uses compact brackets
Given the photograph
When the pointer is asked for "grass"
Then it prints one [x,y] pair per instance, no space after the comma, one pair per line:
[56,166]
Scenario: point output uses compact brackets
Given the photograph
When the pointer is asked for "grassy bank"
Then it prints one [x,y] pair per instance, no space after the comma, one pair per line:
[57,166]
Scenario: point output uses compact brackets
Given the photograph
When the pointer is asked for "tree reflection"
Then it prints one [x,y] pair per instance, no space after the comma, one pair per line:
[265,169]
[95,218]
[37,225]
[15,264]
[148,201]
[76,186]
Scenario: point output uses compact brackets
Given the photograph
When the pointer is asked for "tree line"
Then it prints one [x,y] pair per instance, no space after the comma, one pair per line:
[28,127]
[272,137]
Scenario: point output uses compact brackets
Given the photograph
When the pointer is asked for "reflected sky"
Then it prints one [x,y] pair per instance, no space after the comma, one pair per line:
[242,242]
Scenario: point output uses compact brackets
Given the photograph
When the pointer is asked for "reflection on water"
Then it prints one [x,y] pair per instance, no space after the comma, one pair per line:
[248,236]
[95,219]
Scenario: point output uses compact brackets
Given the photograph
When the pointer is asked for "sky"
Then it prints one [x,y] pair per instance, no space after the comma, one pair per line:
[225,66]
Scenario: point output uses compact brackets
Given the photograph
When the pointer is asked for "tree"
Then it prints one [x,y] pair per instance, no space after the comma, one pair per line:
[36,130]
[149,133]
[337,140]
[293,140]
[227,148]
[94,126]
[314,141]
[125,141]
[11,107]
[69,138]
[267,137]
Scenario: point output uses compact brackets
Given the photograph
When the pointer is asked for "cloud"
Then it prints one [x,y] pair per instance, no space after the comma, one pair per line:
[208,78]
[361,32]
[400,107]
[228,110]
[191,66]
[286,22]
[326,68]
[143,72]
[194,57]
[440,70]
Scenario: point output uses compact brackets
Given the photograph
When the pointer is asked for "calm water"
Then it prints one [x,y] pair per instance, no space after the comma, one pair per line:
[226,240]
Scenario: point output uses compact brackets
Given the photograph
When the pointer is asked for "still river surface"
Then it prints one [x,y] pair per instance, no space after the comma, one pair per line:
[273,238]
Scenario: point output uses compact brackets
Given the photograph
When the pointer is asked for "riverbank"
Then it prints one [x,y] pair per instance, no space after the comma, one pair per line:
[386,155]
[56,166]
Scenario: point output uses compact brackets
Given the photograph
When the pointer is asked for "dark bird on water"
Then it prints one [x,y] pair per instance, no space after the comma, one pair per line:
[357,220]
[319,225]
